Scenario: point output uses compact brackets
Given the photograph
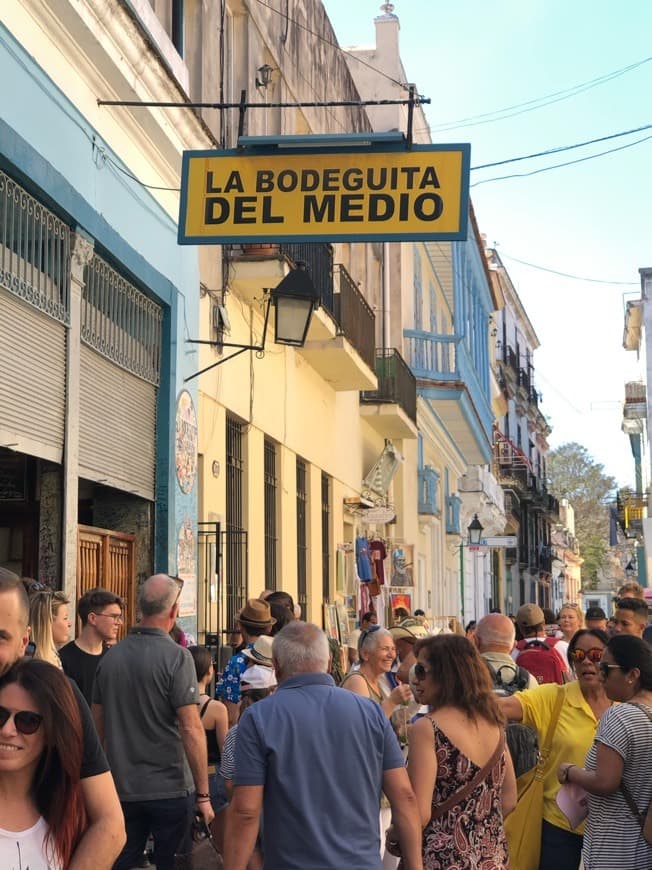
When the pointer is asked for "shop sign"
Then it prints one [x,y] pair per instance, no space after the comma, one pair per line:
[358,194]
[378,516]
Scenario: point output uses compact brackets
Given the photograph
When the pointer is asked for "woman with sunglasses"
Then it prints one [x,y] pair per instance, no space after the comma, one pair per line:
[579,706]
[458,764]
[42,813]
[618,763]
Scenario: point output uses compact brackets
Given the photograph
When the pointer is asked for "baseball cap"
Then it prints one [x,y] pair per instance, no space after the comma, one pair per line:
[530,615]
[595,613]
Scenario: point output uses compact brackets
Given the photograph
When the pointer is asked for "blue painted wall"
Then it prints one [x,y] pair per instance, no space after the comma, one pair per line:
[52,150]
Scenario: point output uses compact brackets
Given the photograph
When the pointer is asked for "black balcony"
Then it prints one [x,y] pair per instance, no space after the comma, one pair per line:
[355,318]
[534,397]
[396,383]
[524,380]
[509,358]
[319,262]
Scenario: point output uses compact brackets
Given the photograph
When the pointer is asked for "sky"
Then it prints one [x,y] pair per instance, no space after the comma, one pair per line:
[590,219]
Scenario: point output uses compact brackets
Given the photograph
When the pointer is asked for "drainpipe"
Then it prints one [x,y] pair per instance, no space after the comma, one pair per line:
[385,323]
[462,580]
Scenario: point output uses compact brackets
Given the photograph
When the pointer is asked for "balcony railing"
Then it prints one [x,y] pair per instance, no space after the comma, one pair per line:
[524,380]
[319,261]
[396,383]
[354,316]
[510,358]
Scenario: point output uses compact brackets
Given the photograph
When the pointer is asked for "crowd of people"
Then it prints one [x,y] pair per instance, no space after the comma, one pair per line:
[519,742]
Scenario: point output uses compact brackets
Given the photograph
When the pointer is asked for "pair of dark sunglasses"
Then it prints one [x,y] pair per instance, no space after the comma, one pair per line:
[420,671]
[593,655]
[364,634]
[605,668]
[25,721]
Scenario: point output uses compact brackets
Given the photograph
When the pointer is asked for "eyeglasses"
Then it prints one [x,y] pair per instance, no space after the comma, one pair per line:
[26,721]
[116,617]
[179,583]
[605,668]
[364,634]
[421,671]
[593,655]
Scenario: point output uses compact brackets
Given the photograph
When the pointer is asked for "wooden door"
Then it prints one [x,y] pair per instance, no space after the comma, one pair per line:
[108,559]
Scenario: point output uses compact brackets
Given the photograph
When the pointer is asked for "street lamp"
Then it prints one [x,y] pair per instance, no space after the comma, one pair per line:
[294,300]
[474,531]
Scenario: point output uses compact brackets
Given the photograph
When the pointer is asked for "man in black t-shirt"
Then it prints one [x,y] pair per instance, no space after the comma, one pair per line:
[105,834]
[100,612]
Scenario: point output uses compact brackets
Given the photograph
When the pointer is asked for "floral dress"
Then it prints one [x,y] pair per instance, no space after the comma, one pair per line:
[470,836]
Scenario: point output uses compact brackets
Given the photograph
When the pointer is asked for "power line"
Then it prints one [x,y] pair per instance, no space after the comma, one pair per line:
[561,148]
[563,274]
[560,165]
[538,102]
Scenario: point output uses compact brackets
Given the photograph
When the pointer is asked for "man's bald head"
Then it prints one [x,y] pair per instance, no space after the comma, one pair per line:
[495,633]
[158,595]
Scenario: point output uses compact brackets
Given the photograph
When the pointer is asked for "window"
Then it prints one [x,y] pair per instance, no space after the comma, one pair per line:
[177,26]
[302,537]
[271,540]
[325,537]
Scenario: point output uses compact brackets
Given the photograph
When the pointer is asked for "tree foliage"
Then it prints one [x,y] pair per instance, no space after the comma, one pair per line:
[574,475]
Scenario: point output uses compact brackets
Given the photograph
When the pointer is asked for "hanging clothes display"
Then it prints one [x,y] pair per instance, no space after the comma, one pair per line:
[378,554]
[363,562]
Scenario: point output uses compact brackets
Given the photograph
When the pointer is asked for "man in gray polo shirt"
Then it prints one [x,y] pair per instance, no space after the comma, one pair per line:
[315,759]
[145,706]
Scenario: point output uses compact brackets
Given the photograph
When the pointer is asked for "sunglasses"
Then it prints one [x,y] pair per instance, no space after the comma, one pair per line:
[364,634]
[593,655]
[25,721]
[605,668]
[421,671]
[179,583]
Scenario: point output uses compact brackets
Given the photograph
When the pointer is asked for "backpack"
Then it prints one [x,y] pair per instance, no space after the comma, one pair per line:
[522,741]
[540,659]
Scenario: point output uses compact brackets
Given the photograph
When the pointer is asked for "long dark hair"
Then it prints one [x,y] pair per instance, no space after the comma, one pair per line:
[461,679]
[56,787]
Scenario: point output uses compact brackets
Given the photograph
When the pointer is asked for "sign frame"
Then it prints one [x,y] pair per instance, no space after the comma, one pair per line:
[276,153]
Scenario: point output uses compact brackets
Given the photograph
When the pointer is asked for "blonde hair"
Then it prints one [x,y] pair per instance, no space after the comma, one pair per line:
[576,610]
[43,607]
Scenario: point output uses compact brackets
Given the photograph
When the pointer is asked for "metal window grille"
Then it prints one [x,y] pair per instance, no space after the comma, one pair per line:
[271,540]
[325,537]
[235,555]
[120,322]
[34,251]
[302,537]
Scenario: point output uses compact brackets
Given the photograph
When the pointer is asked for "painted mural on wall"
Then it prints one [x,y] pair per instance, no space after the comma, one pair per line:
[185,442]
[187,568]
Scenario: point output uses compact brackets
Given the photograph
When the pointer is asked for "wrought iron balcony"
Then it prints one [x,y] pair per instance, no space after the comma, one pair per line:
[510,359]
[396,383]
[524,380]
[319,262]
[354,316]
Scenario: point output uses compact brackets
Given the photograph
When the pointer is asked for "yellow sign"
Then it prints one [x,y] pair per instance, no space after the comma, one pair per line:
[361,195]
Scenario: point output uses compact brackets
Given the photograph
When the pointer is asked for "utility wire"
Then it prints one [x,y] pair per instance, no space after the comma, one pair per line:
[561,148]
[562,274]
[559,165]
[539,102]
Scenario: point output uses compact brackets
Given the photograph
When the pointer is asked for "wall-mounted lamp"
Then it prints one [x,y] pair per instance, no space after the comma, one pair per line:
[474,532]
[264,76]
[294,300]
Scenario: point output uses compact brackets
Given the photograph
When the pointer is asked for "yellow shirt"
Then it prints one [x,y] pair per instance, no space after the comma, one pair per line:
[571,741]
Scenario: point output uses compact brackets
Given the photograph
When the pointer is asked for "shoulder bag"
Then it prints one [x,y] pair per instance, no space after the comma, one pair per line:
[644,819]
[523,825]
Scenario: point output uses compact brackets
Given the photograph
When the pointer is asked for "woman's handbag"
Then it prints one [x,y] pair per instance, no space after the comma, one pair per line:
[644,819]
[523,825]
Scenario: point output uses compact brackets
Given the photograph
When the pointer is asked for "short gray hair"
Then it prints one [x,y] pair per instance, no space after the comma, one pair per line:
[157,595]
[300,648]
[495,630]
[369,642]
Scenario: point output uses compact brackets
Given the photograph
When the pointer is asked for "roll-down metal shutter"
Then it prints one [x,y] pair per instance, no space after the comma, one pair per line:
[32,379]
[117,426]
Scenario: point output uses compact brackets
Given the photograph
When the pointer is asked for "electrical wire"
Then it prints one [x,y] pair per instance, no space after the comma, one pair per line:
[538,102]
[561,148]
[562,274]
[560,165]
